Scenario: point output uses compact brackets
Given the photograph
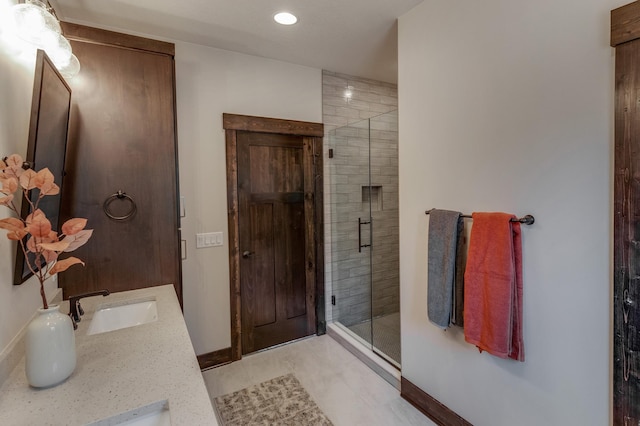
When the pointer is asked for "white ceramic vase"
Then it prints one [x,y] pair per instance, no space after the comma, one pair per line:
[50,348]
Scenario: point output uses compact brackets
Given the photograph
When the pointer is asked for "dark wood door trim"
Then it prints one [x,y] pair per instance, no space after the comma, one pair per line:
[625,23]
[625,37]
[312,133]
[78,32]
[272,125]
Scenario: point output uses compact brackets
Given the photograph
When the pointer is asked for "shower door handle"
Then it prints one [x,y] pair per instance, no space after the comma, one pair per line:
[360,223]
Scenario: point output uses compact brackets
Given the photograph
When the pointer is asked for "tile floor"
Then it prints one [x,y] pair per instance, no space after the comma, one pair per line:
[346,390]
[385,334]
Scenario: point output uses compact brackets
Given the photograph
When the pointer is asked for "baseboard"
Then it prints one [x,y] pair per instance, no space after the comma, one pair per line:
[215,358]
[429,406]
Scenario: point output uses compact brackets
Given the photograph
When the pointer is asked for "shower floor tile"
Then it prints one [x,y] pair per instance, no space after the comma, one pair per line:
[386,334]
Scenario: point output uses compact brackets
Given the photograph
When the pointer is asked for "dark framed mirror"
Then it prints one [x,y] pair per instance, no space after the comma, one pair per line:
[47,143]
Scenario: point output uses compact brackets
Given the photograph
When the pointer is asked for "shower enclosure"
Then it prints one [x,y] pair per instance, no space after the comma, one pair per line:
[364,233]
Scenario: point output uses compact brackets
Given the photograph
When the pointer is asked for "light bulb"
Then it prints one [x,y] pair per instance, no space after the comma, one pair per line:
[58,49]
[34,23]
[72,68]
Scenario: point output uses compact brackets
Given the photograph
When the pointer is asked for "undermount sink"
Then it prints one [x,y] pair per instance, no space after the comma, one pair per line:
[155,414]
[123,315]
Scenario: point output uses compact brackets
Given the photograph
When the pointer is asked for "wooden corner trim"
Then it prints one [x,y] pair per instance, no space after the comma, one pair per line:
[234,258]
[215,358]
[271,125]
[429,406]
[83,33]
[625,23]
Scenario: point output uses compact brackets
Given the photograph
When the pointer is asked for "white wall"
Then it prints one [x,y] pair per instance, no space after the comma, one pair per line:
[211,82]
[507,106]
[17,303]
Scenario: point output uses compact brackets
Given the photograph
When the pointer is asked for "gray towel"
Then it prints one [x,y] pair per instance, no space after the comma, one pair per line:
[445,228]
[457,306]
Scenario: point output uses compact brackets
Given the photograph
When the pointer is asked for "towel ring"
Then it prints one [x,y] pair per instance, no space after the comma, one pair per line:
[119,196]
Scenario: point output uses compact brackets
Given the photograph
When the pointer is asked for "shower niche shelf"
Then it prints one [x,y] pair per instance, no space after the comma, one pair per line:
[372,195]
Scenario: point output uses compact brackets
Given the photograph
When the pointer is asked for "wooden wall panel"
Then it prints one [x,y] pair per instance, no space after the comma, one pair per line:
[123,138]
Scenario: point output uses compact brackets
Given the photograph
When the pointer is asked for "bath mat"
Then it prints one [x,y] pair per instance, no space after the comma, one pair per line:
[279,401]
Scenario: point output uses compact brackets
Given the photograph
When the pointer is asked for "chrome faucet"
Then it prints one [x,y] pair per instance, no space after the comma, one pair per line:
[75,309]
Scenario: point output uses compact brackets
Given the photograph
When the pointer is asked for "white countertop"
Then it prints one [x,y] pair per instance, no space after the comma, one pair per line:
[118,372]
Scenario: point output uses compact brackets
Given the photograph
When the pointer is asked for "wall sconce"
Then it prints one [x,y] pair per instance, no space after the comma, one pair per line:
[38,26]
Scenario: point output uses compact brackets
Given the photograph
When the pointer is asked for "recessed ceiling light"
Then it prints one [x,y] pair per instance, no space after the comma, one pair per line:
[285,18]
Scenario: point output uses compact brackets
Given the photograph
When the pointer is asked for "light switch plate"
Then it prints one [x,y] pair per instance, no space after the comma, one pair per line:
[209,239]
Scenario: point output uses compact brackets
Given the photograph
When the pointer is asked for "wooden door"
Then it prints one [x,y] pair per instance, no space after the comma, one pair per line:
[122,138]
[272,223]
[276,245]
[625,37]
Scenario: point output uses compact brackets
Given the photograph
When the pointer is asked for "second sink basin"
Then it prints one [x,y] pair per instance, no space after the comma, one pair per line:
[155,414]
[127,314]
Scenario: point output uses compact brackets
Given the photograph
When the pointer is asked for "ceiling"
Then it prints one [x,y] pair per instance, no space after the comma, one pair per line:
[356,37]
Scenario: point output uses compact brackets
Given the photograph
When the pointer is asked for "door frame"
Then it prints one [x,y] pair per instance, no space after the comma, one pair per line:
[625,38]
[312,134]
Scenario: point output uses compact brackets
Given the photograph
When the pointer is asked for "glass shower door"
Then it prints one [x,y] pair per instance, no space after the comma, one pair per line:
[364,256]
[385,237]
[351,229]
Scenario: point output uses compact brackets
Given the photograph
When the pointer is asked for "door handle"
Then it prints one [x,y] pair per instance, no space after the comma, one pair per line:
[360,223]
[246,254]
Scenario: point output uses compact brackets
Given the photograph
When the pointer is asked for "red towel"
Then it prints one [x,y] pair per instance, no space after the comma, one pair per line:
[493,286]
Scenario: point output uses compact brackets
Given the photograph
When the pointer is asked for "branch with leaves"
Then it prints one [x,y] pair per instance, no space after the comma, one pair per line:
[34,233]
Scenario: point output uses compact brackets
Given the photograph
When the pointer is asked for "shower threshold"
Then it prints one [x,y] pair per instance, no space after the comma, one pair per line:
[384,366]
[384,334]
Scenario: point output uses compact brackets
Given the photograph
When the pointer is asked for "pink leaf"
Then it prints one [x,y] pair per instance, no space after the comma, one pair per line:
[28,180]
[32,245]
[11,224]
[49,256]
[15,228]
[56,246]
[52,189]
[16,235]
[38,225]
[44,182]
[9,185]
[63,265]
[78,239]
[73,226]
[6,201]
[14,165]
